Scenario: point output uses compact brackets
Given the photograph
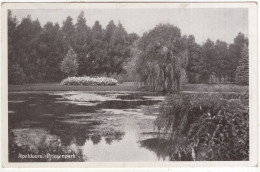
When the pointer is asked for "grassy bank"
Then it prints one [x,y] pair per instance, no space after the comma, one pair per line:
[215,88]
[127,86]
[58,87]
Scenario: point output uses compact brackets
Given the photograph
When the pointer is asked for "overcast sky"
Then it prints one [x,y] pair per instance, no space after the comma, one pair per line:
[223,24]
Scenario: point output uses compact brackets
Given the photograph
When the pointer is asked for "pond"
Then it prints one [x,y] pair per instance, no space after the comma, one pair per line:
[94,126]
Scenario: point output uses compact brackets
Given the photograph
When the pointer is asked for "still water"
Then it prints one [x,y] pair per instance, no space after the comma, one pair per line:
[98,126]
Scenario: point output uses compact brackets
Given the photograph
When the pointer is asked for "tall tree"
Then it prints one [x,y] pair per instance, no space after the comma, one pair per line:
[15,72]
[12,31]
[243,67]
[163,58]
[97,32]
[235,53]
[82,43]
[28,33]
[208,60]
[52,49]
[69,31]
[97,51]
[221,67]
[110,29]
[194,59]
[119,49]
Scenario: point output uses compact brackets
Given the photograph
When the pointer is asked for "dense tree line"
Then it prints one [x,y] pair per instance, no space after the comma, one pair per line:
[36,53]
[211,62]
[215,62]
[46,53]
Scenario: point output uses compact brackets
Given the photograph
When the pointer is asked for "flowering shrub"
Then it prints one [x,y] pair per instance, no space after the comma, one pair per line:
[89,81]
[206,126]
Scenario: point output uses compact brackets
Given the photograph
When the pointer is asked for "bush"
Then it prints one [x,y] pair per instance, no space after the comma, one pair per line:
[45,146]
[209,126]
[69,64]
[89,81]
[16,74]
[122,77]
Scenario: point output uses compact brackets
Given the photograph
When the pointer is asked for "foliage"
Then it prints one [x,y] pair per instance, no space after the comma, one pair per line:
[206,126]
[162,58]
[89,81]
[52,50]
[39,50]
[25,49]
[213,61]
[16,74]
[12,36]
[121,77]
[131,66]
[194,66]
[217,88]
[243,68]
[69,64]
[69,31]
[82,43]
[45,147]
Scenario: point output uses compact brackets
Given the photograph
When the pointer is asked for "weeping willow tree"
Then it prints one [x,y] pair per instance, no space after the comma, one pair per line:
[162,59]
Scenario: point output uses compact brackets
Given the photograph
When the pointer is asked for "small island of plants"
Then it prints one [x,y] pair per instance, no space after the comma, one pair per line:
[89,81]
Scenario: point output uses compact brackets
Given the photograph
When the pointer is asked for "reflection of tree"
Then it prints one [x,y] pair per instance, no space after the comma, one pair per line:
[119,135]
[80,137]
[95,139]
[164,148]
[68,133]
[111,136]
[79,156]
[160,146]
[109,140]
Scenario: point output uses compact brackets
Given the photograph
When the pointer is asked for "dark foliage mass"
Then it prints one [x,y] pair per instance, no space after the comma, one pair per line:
[35,53]
[206,127]
[214,62]
[242,73]
[162,59]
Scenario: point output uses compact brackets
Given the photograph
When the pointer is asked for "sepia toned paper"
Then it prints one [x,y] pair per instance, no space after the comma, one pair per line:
[222,22]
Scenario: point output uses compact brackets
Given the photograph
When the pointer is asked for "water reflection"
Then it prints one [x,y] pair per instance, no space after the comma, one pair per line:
[160,147]
[97,126]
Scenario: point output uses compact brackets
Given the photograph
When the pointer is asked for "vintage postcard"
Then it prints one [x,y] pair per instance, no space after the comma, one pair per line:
[129,84]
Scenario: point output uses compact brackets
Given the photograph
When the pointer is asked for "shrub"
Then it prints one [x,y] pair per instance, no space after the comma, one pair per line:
[45,146]
[209,126]
[69,64]
[122,77]
[89,81]
[16,74]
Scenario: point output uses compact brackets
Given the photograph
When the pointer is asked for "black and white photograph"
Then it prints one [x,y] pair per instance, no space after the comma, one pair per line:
[129,82]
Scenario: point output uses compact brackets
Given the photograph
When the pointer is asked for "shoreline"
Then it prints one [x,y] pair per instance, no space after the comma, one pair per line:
[125,87]
[59,87]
